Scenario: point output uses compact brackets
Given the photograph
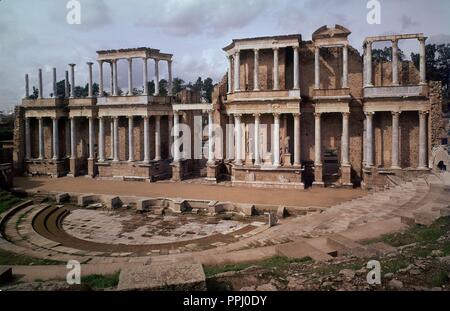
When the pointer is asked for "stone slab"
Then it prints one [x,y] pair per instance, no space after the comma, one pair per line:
[163,276]
[301,249]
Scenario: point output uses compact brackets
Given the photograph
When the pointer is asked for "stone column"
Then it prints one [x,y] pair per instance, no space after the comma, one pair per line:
[423,79]
[91,138]
[41,91]
[237,76]
[55,141]
[27,86]
[145,75]
[369,64]
[296,68]
[176,133]
[146,140]
[170,82]
[100,86]
[73,142]
[156,77]
[115,78]
[345,139]
[90,89]
[256,71]
[111,129]
[27,139]
[210,137]
[276,139]
[422,140]
[55,89]
[41,138]
[111,78]
[72,80]
[157,138]
[317,67]
[317,140]
[345,67]
[170,126]
[395,62]
[276,73]
[230,64]
[297,161]
[130,76]
[369,138]
[67,86]
[130,139]
[257,151]
[116,139]
[395,140]
[238,137]
[101,139]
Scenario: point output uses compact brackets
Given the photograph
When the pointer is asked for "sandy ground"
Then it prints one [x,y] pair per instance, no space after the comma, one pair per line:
[310,197]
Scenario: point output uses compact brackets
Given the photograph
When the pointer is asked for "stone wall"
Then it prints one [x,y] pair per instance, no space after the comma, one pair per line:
[19,140]
[437,126]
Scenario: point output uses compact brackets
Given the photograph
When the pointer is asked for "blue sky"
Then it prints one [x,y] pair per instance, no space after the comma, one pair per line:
[35,34]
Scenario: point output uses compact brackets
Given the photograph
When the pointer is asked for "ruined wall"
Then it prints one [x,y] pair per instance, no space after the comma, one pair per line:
[408,74]
[437,126]
[19,139]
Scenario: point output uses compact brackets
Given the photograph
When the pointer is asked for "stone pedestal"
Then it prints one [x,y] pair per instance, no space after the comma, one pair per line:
[73,168]
[177,170]
[91,168]
[346,175]
[286,159]
[318,181]
[211,173]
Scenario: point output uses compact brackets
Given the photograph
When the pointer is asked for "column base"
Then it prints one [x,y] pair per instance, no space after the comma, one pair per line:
[211,173]
[91,168]
[73,168]
[177,170]
[346,170]
[286,159]
[318,176]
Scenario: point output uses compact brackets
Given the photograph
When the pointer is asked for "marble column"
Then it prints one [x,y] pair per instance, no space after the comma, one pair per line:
[237,76]
[345,67]
[369,64]
[130,77]
[41,91]
[317,67]
[157,138]
[111,129]
[72,80]
[395,62]
[101,139]
[130,139]
[146,140]
[422,140]
[238,138]
[297,161]
[115,78]
[100,86]
[395,140]
[55,140]
[111,78]
[317,140]
[276,139]
[73,141]
[27,86]
[422,62]
[369,138]
[90,89]
[91,138]
[27,139]
[210,137]
[170,129]
[176,134]
[156,77]
[170,82]
[67,85]
[55,89]
[41,138]
[276,73]
[257,143]
[116,139]
[256,71]
[230,64]
[296,68]
[145,75]
[345,139]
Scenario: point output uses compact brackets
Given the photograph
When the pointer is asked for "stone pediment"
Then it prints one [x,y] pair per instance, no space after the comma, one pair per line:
[325,32]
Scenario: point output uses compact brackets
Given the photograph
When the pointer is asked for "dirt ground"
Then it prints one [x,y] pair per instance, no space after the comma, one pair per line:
[291,197]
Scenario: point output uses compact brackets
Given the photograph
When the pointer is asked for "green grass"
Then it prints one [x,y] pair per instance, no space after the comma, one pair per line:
[96,281]
[392,266]
[11,259]
[438,278]
[7,200]
[273,262]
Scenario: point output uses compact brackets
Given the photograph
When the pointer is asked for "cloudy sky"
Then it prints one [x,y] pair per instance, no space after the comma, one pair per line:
[35,34]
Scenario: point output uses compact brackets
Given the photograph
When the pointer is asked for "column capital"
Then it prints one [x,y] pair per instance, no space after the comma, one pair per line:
[89,63]
[169,61]
[394,42]
[275,48]
[72,65]
[237,52]
[276,114]
[346,114]
[423,112]
[317,114]
[256,50]
[422,39]
[369,113]
[257,115]
[368,43]
[297,114]
[100,61]
[396,113]
[237,115]
[295,47]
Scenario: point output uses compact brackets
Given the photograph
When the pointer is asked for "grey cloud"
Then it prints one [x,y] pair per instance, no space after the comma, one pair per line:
[408,23]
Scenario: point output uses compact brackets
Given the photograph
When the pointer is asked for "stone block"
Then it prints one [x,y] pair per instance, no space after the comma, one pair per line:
[282,212]
[113,203]
[179,205]
[247,209]
[163,276]
[5,275]
[62,197]
[86,199]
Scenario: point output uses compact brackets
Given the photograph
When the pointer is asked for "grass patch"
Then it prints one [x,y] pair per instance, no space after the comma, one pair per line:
[7,200]
[273,262]
[392,266]
[439,278]
[11,259]
[96,281]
